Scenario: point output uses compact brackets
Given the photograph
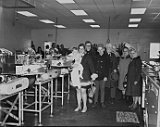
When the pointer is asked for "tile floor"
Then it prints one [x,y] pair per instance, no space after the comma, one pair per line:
[66,116]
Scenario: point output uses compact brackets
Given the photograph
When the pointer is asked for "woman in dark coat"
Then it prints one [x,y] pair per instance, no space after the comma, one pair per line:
[134,80]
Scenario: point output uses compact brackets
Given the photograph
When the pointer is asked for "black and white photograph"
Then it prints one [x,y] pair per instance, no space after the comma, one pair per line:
[80,63]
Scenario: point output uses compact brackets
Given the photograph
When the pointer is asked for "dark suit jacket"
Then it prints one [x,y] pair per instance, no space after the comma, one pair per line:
[102,66]
[113,64]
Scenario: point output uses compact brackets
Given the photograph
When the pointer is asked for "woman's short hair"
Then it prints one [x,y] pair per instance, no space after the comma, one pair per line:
[125,48]
[81,44]
[74,48]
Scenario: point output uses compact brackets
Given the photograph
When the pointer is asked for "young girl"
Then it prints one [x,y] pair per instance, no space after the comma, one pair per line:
[77,68]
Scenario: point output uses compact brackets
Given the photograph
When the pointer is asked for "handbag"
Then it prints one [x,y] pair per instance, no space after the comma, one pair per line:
[114,76]
[91,92]
[125,82]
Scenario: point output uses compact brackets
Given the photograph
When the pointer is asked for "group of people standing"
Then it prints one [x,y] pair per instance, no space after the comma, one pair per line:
[105,67]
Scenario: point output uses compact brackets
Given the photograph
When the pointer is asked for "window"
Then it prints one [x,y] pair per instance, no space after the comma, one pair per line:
[154,50]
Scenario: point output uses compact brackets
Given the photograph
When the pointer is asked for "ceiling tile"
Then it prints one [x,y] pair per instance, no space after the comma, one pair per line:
[99,10]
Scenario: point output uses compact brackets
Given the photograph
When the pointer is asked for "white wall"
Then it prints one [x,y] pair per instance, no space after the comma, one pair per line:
[140,38]
[12,35]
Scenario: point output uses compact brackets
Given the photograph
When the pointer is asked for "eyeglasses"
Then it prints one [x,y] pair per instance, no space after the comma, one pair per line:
[100,49]
[132,53]
[81,48]
[88,45]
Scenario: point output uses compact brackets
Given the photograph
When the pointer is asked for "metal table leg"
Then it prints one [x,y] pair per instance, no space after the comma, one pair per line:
[40,106]
[22,107]
[68,96]
[51,96]
[56,87]
[36,100]
[62,89]
[9,112]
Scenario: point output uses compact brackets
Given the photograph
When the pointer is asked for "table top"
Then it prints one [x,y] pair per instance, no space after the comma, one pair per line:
[43,81]
[61,66]
[3,96]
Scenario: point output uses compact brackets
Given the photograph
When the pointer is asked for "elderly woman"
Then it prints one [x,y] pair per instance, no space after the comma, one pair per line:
[134,80]
[123,69]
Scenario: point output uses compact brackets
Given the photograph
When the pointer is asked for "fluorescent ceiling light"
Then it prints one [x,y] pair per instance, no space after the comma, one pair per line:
[59,26]
[138,0]
[132,25]
[95,26]
[65,1]
[138,10]
[79,12]
[135,19]
[46,21]
[88,20]
[26,13]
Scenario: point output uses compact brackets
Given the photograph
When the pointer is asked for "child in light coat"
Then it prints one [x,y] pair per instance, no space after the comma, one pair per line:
[77,68]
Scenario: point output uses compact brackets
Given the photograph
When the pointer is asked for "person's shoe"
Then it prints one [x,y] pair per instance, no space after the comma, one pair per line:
[139,109]
[130,106]
[84,109]
[103,105]
[111,101]
[123,97]
[134,107]
[94,105]
[77,109]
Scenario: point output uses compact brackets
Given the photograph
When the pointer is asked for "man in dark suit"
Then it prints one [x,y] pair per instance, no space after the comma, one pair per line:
[102,69]
[113,68]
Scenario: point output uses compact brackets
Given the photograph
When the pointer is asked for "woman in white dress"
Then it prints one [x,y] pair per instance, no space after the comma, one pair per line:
[77,68]
[82,73]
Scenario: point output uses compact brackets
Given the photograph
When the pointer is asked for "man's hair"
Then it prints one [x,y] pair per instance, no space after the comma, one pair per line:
[88,42]
[100,45]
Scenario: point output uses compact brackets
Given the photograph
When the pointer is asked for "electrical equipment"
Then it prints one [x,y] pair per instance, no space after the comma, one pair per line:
[14,86]
[30,69]
[20,69]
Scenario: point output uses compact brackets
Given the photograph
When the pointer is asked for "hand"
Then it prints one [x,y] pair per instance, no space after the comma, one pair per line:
[105,79]
[94,76]
[79,87]
[135,82]
[81,76]
[115,70]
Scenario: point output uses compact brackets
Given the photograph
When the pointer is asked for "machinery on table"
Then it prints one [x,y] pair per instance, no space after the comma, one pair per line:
[32,74]
[19,72]
[11,98]
[151,94]
[13,85]
[10,84]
